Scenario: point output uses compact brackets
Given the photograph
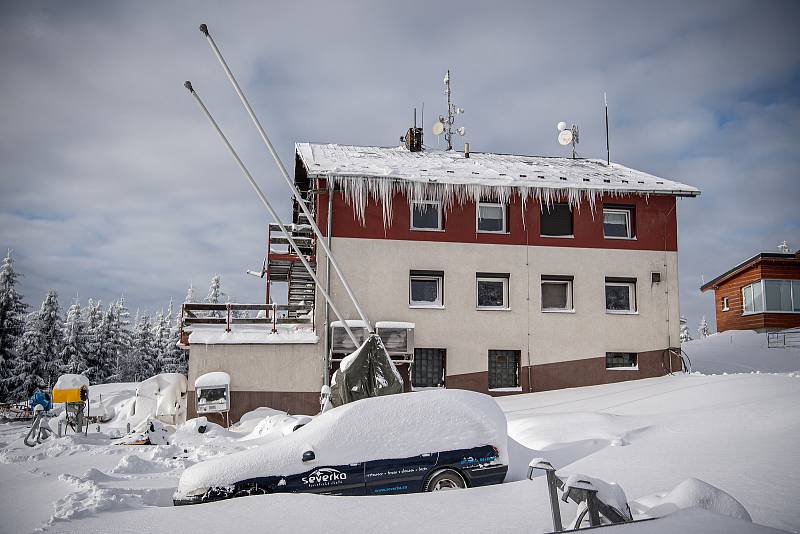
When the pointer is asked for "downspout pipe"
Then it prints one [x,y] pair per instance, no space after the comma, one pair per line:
[285,174]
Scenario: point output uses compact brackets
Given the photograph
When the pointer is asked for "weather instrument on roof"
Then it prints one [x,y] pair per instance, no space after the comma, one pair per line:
[445,125]
[568,136]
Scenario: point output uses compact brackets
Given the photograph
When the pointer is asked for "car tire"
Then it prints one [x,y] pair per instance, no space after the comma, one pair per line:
[445,479]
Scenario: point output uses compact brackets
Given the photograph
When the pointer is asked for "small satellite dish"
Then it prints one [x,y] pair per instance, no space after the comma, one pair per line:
[459,111]
[438,128]
[565,137]
[561,126]
[461,131]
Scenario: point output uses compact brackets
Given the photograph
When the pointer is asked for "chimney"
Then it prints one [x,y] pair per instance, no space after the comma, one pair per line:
[466,150]
[413,138]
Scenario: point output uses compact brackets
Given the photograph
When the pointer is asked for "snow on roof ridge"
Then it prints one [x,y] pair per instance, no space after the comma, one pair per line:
[380,172]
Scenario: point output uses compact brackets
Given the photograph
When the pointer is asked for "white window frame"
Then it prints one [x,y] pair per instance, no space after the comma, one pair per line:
[570,302]
[500,205]
[725,304]
[628,226]
[504,280]
[425,304]
[631,298]
[438,205]
[793,297]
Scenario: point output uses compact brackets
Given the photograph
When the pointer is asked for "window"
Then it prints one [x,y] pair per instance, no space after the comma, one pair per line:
[427,371]
[556,293]
[771,296]
[491,217]
[492,291]
[725,306]
[504,369]
[425,289]
[618,223]
[621,295]
[556,220]
[621,360]
[426,215]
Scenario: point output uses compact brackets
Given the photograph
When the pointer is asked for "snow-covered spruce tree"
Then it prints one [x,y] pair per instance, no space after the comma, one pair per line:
[12,322]
[160,331]
[215,295]
[73,350]
[93,322]
[685,335]
[702,329]
[142,354]
[124,364]
[38,362]
[189,295]
[107,345]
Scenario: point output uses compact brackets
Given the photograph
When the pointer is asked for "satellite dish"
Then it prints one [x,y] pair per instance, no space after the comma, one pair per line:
[438,128]
[461,131]
[561,126]
[565,137]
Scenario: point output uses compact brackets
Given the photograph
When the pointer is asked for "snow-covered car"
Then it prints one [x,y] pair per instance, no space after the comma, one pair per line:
[404,443]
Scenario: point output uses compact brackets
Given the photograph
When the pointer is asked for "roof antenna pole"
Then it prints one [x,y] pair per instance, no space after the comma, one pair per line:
[285,173]
[271,211]
[608,149]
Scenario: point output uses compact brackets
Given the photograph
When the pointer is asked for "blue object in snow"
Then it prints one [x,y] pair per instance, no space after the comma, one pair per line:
[40,398]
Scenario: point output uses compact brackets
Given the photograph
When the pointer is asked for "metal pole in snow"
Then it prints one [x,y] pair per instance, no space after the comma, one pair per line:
[271,211]
[285,173]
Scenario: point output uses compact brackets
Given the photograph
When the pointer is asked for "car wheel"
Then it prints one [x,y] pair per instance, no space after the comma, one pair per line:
[445,479]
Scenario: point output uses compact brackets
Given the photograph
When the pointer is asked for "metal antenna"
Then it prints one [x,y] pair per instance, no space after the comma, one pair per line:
[289,181]
[271,211]
[445,124]
[608,149]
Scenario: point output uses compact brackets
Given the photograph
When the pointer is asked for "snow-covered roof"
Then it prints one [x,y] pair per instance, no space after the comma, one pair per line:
[448,175]
[251,334]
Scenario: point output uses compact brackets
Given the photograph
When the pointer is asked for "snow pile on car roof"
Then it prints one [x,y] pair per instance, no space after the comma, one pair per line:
[394,426]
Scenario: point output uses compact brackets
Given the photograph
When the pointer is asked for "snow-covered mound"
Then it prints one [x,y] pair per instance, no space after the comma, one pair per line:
[692,493]
[740,351]
[394,426]
[71,381]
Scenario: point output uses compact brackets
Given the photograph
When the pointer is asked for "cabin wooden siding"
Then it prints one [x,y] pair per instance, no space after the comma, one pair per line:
[734,318]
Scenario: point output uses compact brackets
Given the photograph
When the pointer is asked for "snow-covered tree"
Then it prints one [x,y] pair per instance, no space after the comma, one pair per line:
[189,295]
[93,325]
[73,351]
[160,331]
[174,358]
[38,362]
[702,329]
[12,322]
[685,335]
[215,294]
[142,353]
[124,361]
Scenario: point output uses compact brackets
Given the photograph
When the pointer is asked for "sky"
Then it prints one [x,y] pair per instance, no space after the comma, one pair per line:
[112,182]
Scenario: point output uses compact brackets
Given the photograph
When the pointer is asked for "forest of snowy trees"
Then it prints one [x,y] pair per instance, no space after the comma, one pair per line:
[99,341]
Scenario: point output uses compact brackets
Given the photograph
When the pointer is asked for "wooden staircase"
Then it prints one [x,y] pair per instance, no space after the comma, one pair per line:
[283,264]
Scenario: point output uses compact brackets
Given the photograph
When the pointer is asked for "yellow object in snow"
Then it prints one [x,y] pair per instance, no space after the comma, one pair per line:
[71,395]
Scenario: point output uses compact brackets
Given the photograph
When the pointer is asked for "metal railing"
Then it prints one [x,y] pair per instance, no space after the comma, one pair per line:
[784,339]
[226,314]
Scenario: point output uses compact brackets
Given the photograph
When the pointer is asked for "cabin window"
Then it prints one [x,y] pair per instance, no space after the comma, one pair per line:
[621,295]
[491,217]
[426,215]
[621,360]
[556,293]
[492,291]
[427,370]
[725,306]
[425,289]
[618,223]
[556,220]
[504,369]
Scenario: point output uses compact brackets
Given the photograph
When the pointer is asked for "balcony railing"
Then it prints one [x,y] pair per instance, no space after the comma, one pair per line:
[226,314]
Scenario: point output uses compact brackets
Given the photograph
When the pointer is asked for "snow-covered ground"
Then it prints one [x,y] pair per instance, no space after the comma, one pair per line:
[737,432]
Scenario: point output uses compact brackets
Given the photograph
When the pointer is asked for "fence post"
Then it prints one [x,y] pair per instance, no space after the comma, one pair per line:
[274,317]
[228,323]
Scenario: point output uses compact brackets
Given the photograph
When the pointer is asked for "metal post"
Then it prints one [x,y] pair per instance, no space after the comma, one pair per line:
[270,209]
[591,505]
[552,488]
[228,320]
[274,317]
[289,181]
[326,377]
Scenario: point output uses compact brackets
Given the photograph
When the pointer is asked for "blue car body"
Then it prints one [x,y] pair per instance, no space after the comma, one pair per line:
[479,466]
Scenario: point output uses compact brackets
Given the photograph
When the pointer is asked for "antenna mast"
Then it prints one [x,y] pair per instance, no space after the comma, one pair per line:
[608,149]
[445,124]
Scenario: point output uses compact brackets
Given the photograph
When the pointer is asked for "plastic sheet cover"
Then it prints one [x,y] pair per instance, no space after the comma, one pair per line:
[367,372]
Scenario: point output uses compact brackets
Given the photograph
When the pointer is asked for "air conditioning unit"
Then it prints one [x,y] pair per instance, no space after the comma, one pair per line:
[397,337]
[341,342]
